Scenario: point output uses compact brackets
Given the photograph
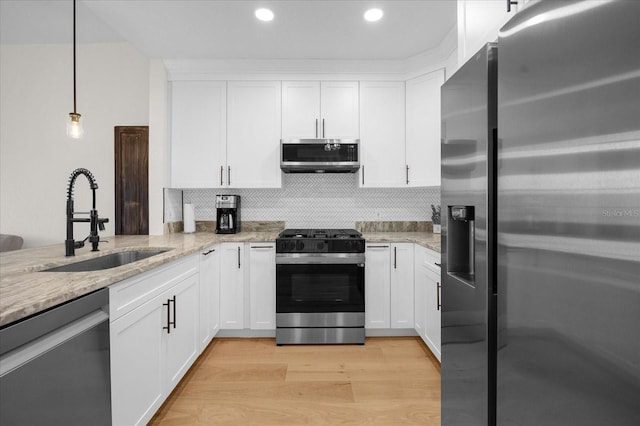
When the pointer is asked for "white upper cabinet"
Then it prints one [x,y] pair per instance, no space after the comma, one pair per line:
[253,134]
[300,109]
[327,109]
[339,109]
[423,129]
[382,134]
[198,133]
[479,22]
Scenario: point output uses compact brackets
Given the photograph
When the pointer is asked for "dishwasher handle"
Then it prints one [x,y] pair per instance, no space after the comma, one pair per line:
[32,350]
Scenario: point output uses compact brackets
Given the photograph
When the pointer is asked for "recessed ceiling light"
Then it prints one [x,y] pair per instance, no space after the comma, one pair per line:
[373,15]
[264,15]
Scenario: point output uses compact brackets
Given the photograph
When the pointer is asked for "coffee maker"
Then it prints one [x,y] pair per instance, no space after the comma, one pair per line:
[227,214]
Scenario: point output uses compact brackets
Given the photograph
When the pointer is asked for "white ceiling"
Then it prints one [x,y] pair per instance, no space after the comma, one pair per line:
[215,29]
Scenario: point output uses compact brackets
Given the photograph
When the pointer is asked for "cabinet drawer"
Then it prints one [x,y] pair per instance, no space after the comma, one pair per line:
[428,258]
[133,292]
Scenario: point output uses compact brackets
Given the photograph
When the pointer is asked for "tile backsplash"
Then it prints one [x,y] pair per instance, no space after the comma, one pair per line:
[314,201]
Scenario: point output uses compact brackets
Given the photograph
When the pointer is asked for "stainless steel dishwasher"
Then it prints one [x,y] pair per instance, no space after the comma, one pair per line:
[54,366]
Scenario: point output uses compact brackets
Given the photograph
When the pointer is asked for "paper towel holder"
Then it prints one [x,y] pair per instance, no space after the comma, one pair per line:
[188,218]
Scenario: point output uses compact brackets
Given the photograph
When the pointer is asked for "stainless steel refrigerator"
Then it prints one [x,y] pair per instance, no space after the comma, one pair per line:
[541,222]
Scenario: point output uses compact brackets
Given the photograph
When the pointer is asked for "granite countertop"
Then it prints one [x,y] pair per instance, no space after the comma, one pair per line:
[425,239]
[25,291]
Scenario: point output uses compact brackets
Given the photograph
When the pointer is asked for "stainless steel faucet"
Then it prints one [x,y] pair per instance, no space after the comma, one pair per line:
[96,222]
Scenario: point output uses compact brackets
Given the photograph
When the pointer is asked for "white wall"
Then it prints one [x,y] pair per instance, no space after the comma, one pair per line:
[37,157]
[159,148]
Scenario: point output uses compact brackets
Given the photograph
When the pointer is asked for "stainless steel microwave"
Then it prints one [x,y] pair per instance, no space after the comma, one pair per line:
[320,155]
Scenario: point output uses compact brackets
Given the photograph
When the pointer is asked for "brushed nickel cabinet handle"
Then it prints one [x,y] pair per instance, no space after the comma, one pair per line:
[363,174]
[238,257]
[323,132]
[407,171]
[316,128]
[221,173]
[229,175]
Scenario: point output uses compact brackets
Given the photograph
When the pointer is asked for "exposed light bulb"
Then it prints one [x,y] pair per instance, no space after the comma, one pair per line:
[264,15]
[373,15]
[74,126]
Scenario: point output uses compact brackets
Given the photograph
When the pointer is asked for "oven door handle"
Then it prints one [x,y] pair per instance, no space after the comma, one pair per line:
[333,259]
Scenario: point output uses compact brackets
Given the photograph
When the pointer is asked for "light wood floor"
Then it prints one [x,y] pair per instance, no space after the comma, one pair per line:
[388,381]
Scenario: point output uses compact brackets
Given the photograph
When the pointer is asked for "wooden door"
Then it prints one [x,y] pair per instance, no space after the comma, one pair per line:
[132,180]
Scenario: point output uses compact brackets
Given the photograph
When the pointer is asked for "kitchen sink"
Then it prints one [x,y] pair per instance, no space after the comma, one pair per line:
[108,261]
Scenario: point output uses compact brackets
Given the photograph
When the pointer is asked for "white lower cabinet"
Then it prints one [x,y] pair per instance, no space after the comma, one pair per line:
[209,294]
[402,285]
[427,298]
[262,285]
[232,270]
[432,321]
[181,338]
[136,364]
[154,338]
[420,297]
[377,281]
[389,285]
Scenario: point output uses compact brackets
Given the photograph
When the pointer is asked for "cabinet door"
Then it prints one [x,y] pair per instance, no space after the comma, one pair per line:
[382,142]
[181,339]
[232,285]
[136,364]
[300,109]
[209,295]
[402,285]
[253,134]
[420,298]
[339,109]
[198,133]
[479,22]
[377,286]
[432,325]
[423,129]
[262,285]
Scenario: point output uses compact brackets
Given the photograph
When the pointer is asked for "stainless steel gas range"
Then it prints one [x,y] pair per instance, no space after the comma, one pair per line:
[320,286]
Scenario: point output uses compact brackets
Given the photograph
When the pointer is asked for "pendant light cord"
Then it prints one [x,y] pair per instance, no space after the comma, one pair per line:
[74,56]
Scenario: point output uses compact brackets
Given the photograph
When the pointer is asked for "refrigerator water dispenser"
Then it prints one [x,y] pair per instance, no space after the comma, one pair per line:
[461,240]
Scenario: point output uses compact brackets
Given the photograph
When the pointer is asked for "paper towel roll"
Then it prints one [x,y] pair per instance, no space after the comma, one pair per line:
[189,218]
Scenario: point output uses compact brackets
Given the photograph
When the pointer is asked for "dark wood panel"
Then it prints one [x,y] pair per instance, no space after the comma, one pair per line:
[132,180]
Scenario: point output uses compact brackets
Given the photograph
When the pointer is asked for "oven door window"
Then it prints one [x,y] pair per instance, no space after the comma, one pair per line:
[319,288]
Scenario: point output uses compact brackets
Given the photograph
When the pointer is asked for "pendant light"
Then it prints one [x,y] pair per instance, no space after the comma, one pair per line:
[74,125]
